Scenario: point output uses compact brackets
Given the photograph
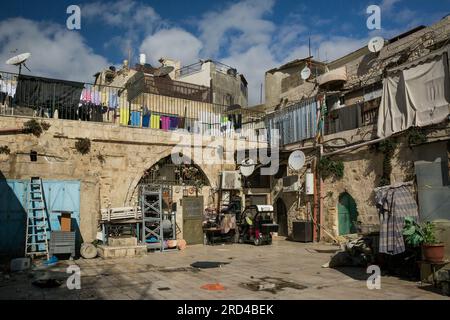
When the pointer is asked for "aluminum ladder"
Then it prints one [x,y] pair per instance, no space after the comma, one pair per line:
[36,241]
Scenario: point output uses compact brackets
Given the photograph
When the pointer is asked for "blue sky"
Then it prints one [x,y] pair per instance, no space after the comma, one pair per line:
[252,35]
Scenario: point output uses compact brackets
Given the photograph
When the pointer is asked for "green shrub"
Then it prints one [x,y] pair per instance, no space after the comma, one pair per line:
[83,146]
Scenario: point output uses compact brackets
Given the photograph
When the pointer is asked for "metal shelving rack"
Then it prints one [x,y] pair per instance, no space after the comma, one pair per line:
[154,217]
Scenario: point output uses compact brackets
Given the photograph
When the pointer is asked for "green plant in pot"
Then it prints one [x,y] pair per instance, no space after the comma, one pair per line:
[424,235]
[432,250]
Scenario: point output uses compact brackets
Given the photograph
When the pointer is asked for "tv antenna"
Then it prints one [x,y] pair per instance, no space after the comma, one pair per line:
[376,44]
[163,71]
[247,167]
[297,160]
[19,61]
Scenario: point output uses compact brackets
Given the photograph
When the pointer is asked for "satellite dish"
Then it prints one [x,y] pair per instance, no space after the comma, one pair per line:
[247,167]
[376,44]
[306,73]
[297,160]
[163,71]
[19,60]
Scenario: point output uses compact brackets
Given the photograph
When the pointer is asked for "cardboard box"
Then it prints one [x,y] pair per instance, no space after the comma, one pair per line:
[66,221]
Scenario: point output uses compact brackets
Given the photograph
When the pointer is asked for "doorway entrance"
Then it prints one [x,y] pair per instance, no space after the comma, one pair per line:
[282,218]
[347,214]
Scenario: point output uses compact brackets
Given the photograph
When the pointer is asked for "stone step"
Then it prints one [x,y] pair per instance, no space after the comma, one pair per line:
[122,241]
[109,252]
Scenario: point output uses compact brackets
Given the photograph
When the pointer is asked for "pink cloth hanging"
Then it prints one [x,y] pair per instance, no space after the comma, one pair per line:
[165,123]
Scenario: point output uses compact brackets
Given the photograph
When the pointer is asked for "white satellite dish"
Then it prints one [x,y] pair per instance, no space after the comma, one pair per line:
[376,44]
[306,73]
[247,167]
[297,160]
[19,60]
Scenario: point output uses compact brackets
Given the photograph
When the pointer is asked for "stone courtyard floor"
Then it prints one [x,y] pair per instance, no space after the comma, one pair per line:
[285,270]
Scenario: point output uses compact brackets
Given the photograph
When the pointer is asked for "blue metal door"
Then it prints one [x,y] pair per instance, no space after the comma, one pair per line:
[59,195]
[12,217]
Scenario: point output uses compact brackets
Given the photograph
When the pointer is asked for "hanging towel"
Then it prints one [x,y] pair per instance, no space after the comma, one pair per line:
[135,118]
[155,121]
[113,101]
[86,95]
[96,97]
[165,123]
[124,116]
[146,121]
[173,124]
[105,98]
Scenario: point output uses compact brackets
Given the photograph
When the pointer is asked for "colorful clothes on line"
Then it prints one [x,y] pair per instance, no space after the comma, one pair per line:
[113,101]
[165,123]
[8,88]
[124,116]
[394,204]
[155,121]
[96,97]
[173,125]
[86,95]
[135,118]
[146,121]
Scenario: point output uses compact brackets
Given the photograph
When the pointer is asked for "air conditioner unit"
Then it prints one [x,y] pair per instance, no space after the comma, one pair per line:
[231,180]
[291,184]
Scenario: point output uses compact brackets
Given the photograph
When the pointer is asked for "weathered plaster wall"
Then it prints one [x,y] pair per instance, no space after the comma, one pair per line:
[362,173]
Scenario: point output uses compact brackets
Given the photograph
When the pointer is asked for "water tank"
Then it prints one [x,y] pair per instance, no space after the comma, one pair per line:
[309,184]
[142,59]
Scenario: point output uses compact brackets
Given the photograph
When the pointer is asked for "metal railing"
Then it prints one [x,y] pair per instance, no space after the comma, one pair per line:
[164,105]
[190,69]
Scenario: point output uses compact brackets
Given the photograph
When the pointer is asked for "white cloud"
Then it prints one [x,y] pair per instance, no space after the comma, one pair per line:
[387,5]
[56,51]
[122,14]
[237,27]
[172,43]
[134,19]
[253,64]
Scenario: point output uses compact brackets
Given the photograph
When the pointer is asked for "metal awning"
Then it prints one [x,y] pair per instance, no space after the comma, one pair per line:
[421,60]
[333,76]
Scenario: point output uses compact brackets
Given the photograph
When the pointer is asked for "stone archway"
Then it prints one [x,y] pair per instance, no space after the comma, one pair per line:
[210,172]
[347,214]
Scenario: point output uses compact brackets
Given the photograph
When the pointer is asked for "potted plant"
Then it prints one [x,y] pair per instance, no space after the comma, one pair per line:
[424,235]
[432,250]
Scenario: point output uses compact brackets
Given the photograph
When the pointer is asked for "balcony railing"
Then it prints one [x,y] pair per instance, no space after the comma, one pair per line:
[352,117]
[163,105]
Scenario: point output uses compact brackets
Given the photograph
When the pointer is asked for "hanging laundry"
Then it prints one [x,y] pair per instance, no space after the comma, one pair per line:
[96,97]
[135,118]
[155,121]
[165,123]
[113,100]
[173,124]
[105,97]
[86,95]
[146,121]
[394,204]
[124,116]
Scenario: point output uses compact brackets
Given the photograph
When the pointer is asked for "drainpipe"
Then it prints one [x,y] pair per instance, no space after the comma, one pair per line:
[321,213]
[10,131]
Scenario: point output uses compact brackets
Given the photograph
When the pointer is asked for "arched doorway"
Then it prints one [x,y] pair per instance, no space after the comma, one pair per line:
[182,193]
[347,214]
[282,218]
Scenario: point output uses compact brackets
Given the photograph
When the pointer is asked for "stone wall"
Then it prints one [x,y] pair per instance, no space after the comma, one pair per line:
[363,169]
[110,173]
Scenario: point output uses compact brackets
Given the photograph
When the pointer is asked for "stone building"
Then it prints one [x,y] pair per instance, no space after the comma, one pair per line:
[341,126]
[134,123]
